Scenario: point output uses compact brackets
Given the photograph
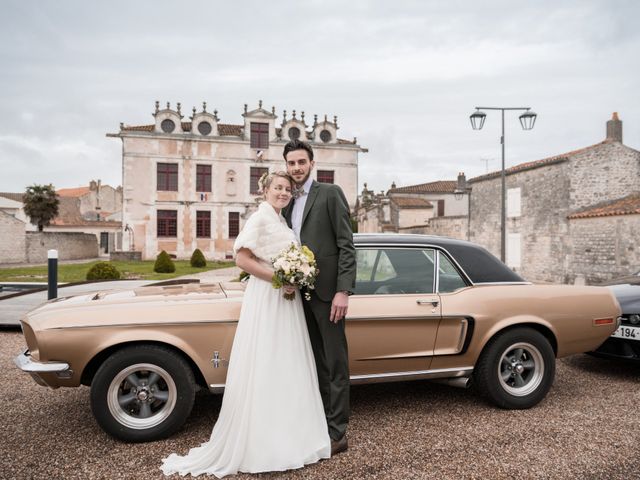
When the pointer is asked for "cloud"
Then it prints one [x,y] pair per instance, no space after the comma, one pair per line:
[401,76]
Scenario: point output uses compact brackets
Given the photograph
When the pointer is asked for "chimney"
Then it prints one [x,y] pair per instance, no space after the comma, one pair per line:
[462,182]
[614,128]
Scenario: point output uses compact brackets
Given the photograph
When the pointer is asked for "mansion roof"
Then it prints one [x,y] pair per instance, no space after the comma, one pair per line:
[629,205]
[440,186]
[224,130]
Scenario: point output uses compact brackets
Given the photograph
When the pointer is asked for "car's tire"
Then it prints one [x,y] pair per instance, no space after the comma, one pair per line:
[142,393]
[516,369]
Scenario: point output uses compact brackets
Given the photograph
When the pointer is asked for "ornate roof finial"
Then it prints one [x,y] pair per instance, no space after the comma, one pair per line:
[294,114]
[245,108]
[325,117]
[157,106]
[284,115]
[393,184]
[215,113]
[121,126]
[178,104]
[259,103]
[204,106]
[168,105]
[335,120]
[315,119]
[302,115]
[194,111]
[273,110]
[355,140]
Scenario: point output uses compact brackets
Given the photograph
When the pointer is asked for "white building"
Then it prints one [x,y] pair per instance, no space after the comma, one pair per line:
[190,185]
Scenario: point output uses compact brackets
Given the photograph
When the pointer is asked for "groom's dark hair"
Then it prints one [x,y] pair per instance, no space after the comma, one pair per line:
[298,145]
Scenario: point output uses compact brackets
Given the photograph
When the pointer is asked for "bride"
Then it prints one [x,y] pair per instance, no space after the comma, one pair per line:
[272,418]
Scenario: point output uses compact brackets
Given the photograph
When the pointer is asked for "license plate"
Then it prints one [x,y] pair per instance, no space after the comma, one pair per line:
[630,333]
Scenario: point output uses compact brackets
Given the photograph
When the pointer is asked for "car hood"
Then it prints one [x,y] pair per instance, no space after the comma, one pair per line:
[628,297]
[152,304]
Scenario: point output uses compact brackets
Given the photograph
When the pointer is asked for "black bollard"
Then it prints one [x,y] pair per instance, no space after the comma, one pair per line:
[52,273]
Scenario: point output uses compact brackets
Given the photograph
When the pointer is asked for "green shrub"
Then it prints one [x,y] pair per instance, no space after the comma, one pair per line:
[103,271]
[197,259]
[164,264]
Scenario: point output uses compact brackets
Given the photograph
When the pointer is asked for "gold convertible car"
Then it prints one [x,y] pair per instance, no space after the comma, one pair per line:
[423,308]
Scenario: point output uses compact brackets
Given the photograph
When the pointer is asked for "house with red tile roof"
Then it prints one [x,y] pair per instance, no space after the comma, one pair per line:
[416,208]
[94,209]
[193,184]
[573,217]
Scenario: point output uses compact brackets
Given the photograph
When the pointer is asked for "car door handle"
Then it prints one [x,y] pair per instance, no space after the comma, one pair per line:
[433,302]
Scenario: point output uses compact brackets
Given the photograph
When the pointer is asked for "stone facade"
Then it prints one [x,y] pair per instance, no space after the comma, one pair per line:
[604,247]
[12,239]
[571,218]
[230,154]
[541,195]
[70,246]
[452,227]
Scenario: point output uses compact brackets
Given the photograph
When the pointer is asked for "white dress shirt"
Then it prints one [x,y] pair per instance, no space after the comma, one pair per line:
[298,207]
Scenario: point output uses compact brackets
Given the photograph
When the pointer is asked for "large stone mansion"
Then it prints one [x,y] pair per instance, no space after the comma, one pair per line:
[192,184]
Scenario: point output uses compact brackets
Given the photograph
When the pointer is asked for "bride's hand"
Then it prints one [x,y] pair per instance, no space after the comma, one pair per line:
[288,289]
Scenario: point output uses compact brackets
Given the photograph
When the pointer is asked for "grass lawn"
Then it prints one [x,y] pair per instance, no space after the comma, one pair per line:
[77,272]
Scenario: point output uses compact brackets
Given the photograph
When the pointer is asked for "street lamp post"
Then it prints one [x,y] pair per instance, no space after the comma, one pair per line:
[527,120]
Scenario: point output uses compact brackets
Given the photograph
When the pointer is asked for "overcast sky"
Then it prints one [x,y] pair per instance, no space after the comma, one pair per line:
[402,76]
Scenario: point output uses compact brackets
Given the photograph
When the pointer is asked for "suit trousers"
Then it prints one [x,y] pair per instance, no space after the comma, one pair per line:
[329,344]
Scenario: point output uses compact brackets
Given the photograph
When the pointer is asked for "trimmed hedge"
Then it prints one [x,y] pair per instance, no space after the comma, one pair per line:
[197,259]
[164,264]
[103,271]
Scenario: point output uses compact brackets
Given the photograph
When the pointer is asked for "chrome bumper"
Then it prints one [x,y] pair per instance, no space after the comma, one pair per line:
[26,364]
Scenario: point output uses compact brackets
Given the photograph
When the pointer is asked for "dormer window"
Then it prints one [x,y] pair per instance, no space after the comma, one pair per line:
[204,128]
[168,125]
[259,135]
[294,133]
[325,136]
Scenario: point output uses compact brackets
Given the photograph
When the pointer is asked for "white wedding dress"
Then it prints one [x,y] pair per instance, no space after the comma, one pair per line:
[272,418]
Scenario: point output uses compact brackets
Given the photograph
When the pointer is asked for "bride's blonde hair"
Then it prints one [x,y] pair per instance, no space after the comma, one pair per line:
[266,179]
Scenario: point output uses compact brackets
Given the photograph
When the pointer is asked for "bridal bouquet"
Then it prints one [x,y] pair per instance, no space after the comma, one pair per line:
[294,266]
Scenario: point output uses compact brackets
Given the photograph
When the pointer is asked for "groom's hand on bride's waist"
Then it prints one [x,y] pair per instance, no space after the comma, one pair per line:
[339,306]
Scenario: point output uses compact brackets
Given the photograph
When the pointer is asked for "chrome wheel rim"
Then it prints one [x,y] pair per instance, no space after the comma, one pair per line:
[521,369]
[141,396]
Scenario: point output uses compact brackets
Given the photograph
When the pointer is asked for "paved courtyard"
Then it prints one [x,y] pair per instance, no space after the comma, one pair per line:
[586,428]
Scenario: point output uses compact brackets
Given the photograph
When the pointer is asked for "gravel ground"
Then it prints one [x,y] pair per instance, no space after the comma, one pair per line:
[586,428]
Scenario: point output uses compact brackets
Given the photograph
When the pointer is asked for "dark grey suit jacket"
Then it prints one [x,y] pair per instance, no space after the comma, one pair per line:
[326,230]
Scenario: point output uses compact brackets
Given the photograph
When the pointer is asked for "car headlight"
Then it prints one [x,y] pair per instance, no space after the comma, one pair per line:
[634,319]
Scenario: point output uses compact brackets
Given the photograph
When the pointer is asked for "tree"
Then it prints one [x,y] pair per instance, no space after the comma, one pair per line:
[41,204]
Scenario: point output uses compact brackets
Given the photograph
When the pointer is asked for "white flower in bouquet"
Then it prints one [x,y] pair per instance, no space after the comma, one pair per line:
[294,266]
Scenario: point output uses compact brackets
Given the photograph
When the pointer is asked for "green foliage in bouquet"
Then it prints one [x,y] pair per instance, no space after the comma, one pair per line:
[294,266]
[103,271]
[164,264]
[197,259]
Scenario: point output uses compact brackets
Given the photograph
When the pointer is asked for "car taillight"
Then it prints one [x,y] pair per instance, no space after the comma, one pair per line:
[603,321]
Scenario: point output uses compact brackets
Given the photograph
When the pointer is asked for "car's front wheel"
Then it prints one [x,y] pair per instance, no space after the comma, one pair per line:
[516,369]
[142,393]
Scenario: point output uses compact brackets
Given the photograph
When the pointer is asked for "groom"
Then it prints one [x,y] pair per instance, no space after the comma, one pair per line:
[320,218]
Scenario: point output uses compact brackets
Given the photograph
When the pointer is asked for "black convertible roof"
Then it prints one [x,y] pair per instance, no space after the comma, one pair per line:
[480,265]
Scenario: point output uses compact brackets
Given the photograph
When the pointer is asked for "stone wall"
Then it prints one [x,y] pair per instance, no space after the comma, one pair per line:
[452,227]
[542,224]
[12,239]
[70,246]
[604,172]
[604,248]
